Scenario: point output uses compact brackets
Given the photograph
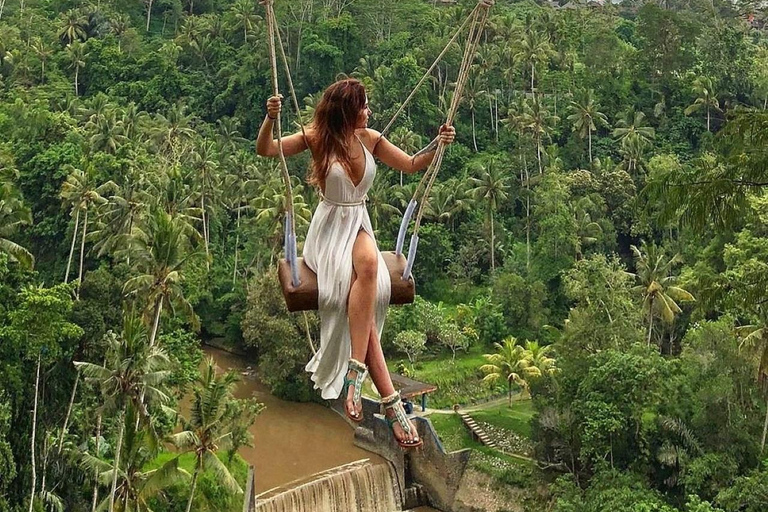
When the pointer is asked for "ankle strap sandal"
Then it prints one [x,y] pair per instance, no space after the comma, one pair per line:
[361,372]
[395,403]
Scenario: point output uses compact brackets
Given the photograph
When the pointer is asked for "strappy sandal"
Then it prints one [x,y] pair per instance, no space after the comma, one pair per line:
[395,403]
[361,372]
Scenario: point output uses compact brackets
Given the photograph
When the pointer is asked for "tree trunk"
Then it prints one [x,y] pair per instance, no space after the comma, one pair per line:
[77,69]
[650,323]
[121,419]
[708,117]
[2,6]
[474,137]
[533,71]
[205,232]
[493,244]
[590,145]
[34,433]
[194,484]
[96,471]
[149,12]
[527,216]
[72,247]
[82,255]
[69,411]
[765,431]
[538,153]
[237,244]
[156,321]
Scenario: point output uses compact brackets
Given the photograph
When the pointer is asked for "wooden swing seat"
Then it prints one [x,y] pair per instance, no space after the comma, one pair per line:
[304,296]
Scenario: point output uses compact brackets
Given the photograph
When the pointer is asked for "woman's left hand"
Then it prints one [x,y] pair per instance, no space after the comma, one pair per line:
[447,134]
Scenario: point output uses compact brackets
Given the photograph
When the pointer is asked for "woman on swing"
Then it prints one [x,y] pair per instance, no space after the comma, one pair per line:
[352,278]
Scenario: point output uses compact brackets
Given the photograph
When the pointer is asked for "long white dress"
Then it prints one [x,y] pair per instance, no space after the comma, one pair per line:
[328,252]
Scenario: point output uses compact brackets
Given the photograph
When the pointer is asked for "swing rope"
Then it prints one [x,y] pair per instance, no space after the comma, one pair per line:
[477,20]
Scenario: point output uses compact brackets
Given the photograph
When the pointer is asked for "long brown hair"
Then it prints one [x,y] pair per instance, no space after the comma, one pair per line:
[336,117]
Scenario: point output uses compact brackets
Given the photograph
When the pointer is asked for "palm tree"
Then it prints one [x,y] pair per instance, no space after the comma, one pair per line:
[210,426]
[107,132]
[633,125]
[43,53]
[379,203]
[177,126]
[755,340]
[237,185]
[74,28]
[119,26]
[13,215]
[492,186]
[706,98]
[587,117]
[161,247]
[539,359]
[245,16]
[270,208]
[535,48]
[205,163]
[77,56]
[80,191]
[132,368]
[123,209]
[472,93]
[406,140]
[589,231]
[446,202]
[537,120]
[657,285]
[633,150]
[510,363]
[136,485]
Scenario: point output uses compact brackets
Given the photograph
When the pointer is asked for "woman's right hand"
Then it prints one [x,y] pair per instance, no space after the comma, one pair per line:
[274,105]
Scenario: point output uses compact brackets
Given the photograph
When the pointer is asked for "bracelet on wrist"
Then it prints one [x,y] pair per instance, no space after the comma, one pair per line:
[272,118]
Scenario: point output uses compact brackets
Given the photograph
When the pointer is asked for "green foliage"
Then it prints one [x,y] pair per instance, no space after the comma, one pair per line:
[279,340]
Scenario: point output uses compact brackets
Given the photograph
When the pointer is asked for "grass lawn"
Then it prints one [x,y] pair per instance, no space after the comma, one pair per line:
[516,418]
[458,382]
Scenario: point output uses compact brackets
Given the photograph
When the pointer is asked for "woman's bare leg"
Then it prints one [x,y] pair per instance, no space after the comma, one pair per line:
[377,367]
[360,305]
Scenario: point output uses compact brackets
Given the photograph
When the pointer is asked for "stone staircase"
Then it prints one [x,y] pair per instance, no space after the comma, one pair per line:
[477,432]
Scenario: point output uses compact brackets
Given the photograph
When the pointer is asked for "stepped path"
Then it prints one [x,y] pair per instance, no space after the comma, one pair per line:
[478,432]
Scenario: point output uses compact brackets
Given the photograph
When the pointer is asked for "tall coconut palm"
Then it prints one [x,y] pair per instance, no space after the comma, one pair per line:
[136,484]
[380,203]
[106,132]
[242,179]
[755,340]
[245,16]
[539,122]
[491,185]
[509,363]
[270,208]
[13,215]
[534,49]
[123,210]
[73,27]
[473,91]
[177,126]
[77,57]
[633,124]
[206,164]
[406,140]
[80,191]
[210,426]
[586,117]
[43,53]
[160,247]
[706,99]
[657,285]
[132,369]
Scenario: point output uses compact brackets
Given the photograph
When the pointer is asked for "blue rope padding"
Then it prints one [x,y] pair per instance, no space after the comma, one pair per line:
[404,226]
[286,236]
[411,257]
[294,262]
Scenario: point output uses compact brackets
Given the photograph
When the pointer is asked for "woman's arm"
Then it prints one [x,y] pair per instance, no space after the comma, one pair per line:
[266,145]
[398,159]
